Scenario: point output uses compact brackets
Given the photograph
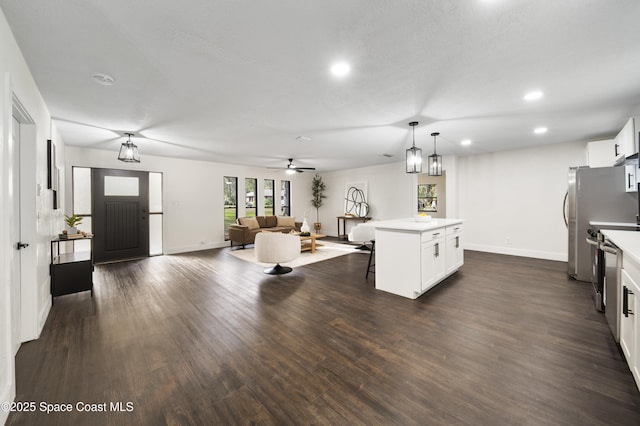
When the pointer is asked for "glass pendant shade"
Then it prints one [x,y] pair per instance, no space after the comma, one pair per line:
[129,151]
[414,155]
[435,160]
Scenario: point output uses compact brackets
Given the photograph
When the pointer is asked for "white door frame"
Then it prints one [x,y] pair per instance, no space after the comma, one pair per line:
[28,223]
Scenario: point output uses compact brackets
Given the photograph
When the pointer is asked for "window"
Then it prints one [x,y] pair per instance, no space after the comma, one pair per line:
[427,198]
[250,197]
[81,203]
[230,203]
[285,198]
[268,197]
[155,214]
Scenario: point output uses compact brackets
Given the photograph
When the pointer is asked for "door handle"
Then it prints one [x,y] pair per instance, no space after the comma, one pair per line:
[615,148]
[20,245]
[436,250]
[457,242]
[625,301]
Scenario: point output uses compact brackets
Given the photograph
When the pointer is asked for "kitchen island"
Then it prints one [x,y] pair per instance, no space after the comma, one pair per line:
[412,257]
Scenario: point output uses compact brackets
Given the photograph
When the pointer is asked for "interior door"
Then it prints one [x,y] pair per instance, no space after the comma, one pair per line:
[120,214]
[14,229]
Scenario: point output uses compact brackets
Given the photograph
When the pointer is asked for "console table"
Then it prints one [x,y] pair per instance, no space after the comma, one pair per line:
[343,235]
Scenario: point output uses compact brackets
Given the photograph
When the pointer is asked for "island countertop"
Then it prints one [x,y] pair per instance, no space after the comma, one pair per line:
[411,225]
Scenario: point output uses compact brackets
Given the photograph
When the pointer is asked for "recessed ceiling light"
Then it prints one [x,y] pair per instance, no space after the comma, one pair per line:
[465,142]
[340,69]
[533,96]
[303,138]
[540,130]
[104,79]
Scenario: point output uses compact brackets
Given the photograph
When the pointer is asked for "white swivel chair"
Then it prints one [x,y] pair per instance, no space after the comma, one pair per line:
[276,247]
[365,232]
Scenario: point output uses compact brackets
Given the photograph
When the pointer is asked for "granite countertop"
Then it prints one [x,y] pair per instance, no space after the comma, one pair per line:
[627,241]
[410,224]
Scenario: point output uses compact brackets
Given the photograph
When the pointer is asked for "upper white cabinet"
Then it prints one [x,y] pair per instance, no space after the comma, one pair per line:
[626,142]
[602,153]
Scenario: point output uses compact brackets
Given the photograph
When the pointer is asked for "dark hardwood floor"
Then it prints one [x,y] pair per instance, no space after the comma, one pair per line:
[205,338]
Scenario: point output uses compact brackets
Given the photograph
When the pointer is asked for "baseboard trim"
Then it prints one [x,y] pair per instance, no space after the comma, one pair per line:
[200,247]
[561,257]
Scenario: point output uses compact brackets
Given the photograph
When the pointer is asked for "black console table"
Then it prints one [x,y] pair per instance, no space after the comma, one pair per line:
[343,235]
[71,272]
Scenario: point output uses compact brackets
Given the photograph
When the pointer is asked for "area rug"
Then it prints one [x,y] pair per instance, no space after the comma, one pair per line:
[328,250]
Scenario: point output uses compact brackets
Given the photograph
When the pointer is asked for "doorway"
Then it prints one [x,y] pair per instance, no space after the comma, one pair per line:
[120,214]
[14,230]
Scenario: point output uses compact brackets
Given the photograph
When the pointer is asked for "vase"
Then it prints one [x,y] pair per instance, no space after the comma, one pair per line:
[72,230]
[305,226]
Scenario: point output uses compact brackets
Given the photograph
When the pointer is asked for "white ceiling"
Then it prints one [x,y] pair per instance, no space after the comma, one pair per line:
[236,81]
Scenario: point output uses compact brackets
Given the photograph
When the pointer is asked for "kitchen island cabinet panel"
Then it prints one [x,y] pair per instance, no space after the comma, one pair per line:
[411,256]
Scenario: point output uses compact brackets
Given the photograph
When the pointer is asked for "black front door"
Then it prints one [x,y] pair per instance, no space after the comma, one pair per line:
[120,214]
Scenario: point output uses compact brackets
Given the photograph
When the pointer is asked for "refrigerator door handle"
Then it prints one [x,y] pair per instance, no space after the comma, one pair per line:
[564,209]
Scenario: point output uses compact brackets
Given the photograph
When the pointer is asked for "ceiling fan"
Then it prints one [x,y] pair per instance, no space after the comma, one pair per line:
[291,169]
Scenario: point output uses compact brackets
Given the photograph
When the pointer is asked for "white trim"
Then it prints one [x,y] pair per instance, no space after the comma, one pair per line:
[186,249]
[561,257]
[20,112]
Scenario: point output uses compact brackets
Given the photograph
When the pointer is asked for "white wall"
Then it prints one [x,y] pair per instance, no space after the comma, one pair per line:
[390,194]
[512,201]
[193,199]
[37,214]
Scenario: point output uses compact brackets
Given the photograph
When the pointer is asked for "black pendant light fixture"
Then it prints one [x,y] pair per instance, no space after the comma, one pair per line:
[435,160]
[129,151]
[414,155]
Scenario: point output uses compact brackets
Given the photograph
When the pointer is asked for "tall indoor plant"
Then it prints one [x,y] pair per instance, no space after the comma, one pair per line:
[317,189]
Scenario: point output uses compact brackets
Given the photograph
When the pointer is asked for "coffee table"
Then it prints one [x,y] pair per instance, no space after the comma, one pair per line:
[309,242]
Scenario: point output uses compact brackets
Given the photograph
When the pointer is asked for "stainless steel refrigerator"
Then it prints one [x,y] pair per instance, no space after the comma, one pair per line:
[594,195]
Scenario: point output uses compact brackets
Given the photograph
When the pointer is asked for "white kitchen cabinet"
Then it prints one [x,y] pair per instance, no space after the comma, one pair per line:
[454,257]
[626,141]
[602,153]
[432,263]
[411,256]
[631,176]
[629,320]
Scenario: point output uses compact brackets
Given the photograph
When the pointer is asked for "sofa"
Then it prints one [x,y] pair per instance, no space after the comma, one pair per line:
[245,229]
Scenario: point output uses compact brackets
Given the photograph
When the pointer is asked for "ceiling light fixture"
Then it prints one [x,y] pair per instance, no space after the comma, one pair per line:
[303,138]
[414,155]
[435,160]
[540,130]
[129,151]
[465,142]
[103,79]
[340,69]
[533,96]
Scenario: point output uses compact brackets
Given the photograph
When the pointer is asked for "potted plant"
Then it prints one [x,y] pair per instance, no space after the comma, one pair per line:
[317,189]
[72,222]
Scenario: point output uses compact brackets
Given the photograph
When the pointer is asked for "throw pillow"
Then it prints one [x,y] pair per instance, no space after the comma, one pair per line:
[250,222]
[287,221]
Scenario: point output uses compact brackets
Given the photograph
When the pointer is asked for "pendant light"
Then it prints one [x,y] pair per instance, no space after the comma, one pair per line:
[435,160]
[414,155]
[129,151]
